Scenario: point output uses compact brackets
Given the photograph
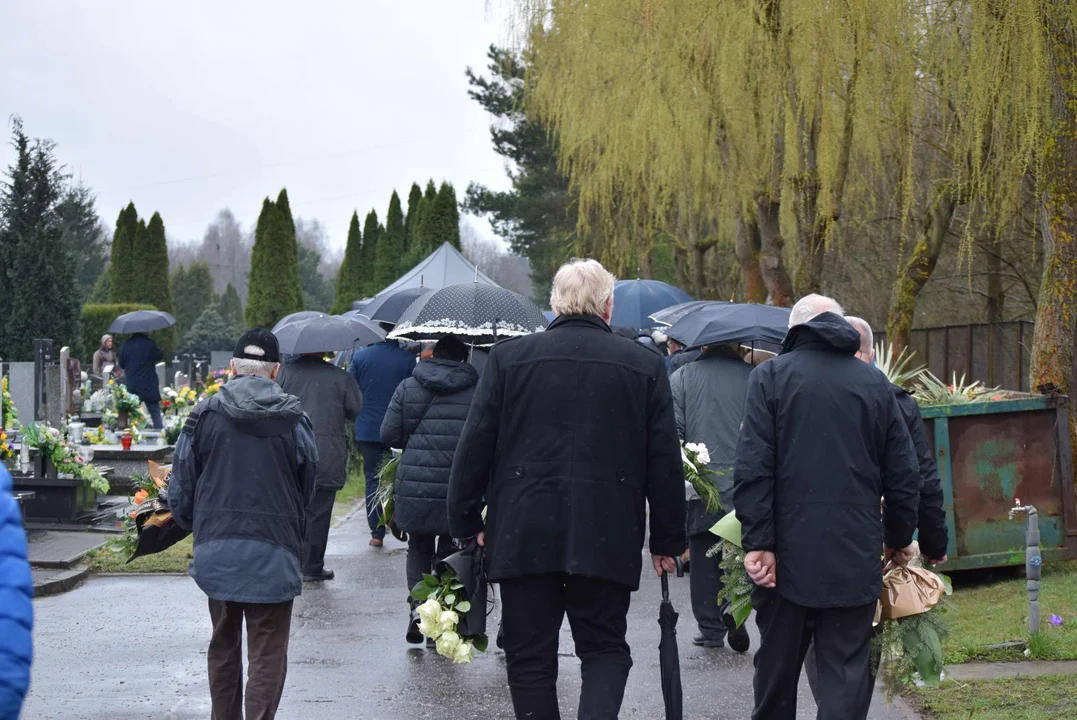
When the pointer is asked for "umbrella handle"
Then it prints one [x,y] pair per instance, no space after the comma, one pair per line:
[665,578]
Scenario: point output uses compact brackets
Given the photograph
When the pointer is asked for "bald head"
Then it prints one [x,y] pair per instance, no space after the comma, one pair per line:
[867,339]
[811,306]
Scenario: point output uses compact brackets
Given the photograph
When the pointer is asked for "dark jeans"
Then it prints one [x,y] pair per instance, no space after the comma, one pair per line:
[155,415]
[842,638]
[422,556]
[705,581]
[319,517]
[533,608]
[373,454]
[268,626]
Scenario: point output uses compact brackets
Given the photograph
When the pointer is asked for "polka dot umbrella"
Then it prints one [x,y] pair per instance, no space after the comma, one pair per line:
[479,314]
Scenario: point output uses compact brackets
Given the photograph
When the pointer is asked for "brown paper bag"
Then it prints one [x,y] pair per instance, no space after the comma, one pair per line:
[908,590]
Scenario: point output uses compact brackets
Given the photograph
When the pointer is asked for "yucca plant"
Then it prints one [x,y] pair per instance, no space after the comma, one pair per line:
[897,368]
[933,391]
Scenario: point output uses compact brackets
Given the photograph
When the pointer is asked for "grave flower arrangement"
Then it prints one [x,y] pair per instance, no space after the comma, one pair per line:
[51,443]
[6,453]
[698,481]
[10,419]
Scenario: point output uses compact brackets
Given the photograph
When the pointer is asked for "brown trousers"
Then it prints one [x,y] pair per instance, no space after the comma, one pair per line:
[268,626]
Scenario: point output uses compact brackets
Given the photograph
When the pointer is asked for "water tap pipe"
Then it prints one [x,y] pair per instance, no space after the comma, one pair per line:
[1033,562]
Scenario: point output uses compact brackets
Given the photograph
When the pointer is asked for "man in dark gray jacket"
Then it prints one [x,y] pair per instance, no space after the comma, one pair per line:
[331,398]
[242,479]
[708,400]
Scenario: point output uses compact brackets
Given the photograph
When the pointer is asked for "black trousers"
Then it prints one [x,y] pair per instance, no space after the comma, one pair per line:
[867,689]
[423,555]
[842,638]
[705,581]
[268,626]
[319,518]
[533,609]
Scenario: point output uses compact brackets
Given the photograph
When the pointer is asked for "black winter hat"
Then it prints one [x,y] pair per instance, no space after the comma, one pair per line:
[260,338]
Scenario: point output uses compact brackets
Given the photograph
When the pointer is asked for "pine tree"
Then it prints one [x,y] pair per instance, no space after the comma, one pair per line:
[350,277]
[39,292]
[122,280]
[370,252]
[192,293]
[231,308]
[390,246]
[210,332]
[275,289]
[447,214]
[415,196]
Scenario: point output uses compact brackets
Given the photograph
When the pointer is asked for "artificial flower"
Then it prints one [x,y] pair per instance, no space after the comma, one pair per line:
[1055,620]
[141,496]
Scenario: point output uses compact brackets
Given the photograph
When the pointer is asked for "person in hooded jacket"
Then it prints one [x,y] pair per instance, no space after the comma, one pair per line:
[103,356]
[242,480]
[16,609]
[331,398]
[425,418]
[822,440]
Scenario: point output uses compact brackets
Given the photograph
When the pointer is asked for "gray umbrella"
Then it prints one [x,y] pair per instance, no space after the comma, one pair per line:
[141,321]
[301,315]
[389,307]
[327,334]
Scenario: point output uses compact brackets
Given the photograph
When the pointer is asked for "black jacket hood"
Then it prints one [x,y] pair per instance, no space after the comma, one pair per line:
[443,377]
[828,332]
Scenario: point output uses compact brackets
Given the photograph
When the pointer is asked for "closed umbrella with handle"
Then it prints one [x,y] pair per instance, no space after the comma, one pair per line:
[669,661]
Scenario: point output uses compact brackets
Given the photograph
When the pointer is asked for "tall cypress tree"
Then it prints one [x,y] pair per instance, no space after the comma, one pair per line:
[155,268]
[231,308]
[275,289]
[123,278]
[289,243]
[424,242]
[448,216]
[40,295]
[390,246]
[415,196]
[370,252]
[350,277]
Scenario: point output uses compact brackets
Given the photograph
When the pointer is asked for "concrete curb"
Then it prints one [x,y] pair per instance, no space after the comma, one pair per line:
[997,670]
[61,582]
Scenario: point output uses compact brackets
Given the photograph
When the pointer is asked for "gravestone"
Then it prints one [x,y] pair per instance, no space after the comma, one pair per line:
[181,380]
[220,359]
[162,375]
[55,402]
[62,400]
[21,386]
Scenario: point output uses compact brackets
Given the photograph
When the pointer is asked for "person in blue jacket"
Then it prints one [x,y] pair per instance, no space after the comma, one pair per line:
[139,356]
[16,610]
[378,369]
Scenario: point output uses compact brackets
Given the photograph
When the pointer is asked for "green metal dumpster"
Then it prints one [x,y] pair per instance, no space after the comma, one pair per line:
[990,453]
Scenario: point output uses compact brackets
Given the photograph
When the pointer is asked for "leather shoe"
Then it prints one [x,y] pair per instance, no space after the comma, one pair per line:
[701,641]
[738,638]
[318,577]
[414,636]
[376,542]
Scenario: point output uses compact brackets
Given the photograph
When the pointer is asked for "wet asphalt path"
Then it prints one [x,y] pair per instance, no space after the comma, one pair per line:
[135,647]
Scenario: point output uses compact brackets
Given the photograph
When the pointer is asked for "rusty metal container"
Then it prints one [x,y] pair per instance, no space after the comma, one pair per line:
[990,453]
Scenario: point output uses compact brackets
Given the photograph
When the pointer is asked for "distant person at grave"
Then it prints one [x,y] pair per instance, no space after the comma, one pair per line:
[378,369]
[331,399]
[139,356]
[242,481]
[103,356]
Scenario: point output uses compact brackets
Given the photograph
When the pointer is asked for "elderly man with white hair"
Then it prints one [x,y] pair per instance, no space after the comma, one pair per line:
[822,440]
[242,481]
[570,437]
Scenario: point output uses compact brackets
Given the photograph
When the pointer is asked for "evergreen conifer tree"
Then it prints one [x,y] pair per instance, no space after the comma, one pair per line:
[415,196]
[447,213]
[275,289]
[370,252]
[41,298]
[290,245]
[211,332]
[390,246]
[154,279]
[192,293]
[122,285]
[231,308]
[424,241]
[350,277]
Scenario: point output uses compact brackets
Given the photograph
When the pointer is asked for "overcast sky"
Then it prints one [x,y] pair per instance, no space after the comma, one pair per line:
[189,107]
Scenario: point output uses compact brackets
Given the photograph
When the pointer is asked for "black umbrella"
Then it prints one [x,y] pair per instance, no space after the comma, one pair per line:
[670,315]
[732,323]
[141,321]
[669,661]
[479,314]
[326,334]
[389,307]
[301,315]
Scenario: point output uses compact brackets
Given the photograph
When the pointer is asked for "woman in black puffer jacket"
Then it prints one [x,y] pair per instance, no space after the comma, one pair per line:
[425,418]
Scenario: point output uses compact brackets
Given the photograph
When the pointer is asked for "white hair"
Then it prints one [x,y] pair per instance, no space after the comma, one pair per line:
[867,338]
[811,306]
[581,287]
[246,366]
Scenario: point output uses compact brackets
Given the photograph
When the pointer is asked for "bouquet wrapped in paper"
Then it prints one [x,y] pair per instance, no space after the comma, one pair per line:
[157,530]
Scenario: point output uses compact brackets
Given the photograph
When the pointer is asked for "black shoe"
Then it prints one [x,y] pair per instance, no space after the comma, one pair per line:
[318,577]
[702,641]
[414,636]
[500,639]
[431,644]
[738,637]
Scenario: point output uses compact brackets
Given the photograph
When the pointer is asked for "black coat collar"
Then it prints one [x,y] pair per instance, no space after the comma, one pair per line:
[588,321]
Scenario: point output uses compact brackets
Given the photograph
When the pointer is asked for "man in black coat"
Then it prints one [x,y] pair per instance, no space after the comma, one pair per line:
[425,418]
[570,436]
[822,440]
